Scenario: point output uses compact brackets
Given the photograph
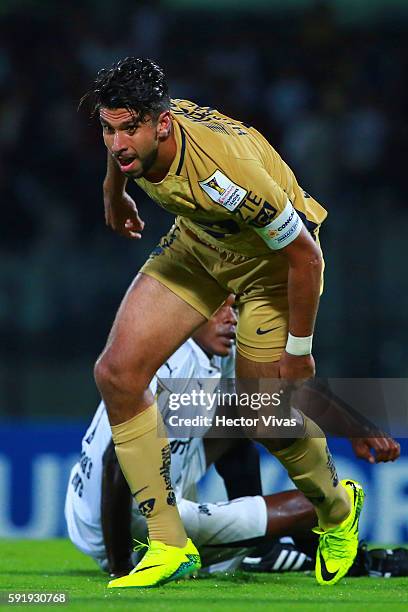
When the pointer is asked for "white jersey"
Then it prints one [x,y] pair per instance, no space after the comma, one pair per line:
[183,371]
[189,369]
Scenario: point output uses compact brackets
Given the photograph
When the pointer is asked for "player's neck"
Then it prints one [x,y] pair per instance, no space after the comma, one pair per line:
[204,349]
[166,153]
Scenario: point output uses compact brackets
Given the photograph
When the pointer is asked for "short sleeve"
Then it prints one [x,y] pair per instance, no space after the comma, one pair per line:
[267,208]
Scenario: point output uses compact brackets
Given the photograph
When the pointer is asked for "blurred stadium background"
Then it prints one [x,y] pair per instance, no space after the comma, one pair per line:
[325,81]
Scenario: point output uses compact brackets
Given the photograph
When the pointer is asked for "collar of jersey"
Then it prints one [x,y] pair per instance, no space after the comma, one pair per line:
[180,144]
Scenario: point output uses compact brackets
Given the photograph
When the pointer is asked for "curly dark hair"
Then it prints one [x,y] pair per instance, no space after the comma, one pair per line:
[134,83]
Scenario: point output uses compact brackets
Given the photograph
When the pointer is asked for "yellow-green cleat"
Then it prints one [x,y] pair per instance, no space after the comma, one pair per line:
[338,545]
[161,564]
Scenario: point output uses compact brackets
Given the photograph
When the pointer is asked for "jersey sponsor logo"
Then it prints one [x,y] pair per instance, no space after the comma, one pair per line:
[265,215]
[146,507]
[223,191]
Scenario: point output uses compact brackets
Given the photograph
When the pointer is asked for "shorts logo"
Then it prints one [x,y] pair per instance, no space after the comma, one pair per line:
[203,509]
[261,332]
[165,243]
[223,191]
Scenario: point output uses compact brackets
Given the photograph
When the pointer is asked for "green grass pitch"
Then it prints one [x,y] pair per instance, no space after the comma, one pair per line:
[56,566]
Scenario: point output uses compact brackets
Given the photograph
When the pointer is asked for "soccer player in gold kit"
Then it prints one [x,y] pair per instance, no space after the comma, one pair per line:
[243,226]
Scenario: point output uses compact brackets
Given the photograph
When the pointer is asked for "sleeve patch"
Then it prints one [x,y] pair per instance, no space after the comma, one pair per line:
[283,230]
[223,191]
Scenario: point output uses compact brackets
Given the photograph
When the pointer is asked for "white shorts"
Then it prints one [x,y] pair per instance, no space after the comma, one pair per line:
[224,530]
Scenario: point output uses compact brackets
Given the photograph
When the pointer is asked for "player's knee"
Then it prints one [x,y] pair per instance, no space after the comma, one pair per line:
[113,377]
[103,374]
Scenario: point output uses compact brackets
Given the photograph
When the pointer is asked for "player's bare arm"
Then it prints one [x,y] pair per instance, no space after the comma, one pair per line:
[376,450]
[336,417]
[304,279]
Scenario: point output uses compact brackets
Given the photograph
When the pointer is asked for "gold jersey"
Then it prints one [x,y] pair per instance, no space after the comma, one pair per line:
[229,186]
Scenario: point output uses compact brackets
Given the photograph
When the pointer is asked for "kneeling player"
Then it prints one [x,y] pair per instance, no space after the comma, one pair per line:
[98,504]
[99,512]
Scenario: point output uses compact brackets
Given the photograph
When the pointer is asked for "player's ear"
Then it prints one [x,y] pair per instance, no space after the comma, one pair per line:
[230,301]
[164,125]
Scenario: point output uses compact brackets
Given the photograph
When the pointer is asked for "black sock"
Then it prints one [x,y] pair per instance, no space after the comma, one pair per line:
[240,469]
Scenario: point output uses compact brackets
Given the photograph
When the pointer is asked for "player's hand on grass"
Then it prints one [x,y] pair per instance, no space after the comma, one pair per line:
[376,450]
[296,369]
[122,216]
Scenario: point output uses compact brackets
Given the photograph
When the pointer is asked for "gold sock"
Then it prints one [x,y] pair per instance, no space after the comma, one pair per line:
[144,455]
[311,468]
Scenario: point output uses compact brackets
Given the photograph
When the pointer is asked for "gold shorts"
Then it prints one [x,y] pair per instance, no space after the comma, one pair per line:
[203,276]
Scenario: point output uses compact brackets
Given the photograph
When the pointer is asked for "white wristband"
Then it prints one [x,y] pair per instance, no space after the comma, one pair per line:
[299,346]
